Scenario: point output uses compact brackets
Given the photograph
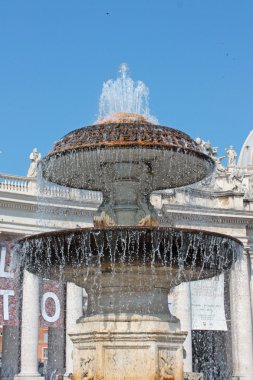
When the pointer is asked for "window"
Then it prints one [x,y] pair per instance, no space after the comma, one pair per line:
[44,353]
[45,337]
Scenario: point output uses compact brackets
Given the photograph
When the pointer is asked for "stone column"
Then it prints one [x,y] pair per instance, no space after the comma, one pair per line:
[251,278]
[182,310]
[29,328]
[241,320]
[56,341]
[74,310]
[10,352]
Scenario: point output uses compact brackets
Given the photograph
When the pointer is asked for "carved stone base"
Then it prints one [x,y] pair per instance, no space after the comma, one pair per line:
[128,347]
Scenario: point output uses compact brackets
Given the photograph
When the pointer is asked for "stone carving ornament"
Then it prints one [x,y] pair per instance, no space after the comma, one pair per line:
[87,372]
[124,134]
[166,366]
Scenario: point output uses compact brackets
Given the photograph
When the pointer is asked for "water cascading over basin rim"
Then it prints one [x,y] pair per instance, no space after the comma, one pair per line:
[165,255]
[78,160]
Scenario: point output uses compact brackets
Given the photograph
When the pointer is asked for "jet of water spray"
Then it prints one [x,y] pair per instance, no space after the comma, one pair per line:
[123,95]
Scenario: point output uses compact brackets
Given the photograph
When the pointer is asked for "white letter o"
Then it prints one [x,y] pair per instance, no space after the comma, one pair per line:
[56,315]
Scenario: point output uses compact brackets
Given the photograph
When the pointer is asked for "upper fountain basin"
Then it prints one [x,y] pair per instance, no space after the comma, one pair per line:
[85,157]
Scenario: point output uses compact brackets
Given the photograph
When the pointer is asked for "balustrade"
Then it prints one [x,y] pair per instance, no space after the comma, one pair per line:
[18,184]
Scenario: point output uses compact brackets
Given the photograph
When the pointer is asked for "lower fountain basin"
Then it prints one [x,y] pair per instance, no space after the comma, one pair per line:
[117,256]
[128,269]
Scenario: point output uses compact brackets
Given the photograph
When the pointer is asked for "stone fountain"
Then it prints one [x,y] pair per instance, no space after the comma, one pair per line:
[126,262]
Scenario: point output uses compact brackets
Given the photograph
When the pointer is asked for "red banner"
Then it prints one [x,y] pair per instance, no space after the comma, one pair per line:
[9,288]
[51,295]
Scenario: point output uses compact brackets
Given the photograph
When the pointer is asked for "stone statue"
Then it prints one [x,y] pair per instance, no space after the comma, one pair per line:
[231,154]
[35,157]
[219,166]
[206,147]
[236,177]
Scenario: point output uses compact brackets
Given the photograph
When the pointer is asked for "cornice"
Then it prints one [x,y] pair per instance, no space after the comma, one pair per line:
[47,201]
[55,210]
[201,193]
[18,206]
[190,215]
[215,211]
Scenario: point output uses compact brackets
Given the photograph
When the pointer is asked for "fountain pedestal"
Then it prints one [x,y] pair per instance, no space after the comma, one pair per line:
[128,347]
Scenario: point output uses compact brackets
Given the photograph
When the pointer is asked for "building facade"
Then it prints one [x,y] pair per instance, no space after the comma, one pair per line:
[222,203]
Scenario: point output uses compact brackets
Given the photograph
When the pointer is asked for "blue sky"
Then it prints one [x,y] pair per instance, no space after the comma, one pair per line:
[196,57]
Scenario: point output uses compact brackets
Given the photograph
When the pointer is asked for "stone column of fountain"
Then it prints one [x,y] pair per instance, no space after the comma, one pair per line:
[127,263]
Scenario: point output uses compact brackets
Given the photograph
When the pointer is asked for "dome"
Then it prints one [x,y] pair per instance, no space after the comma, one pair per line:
[246,155]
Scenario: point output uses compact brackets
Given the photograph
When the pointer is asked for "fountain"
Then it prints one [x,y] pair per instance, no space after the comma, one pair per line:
[127,262]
